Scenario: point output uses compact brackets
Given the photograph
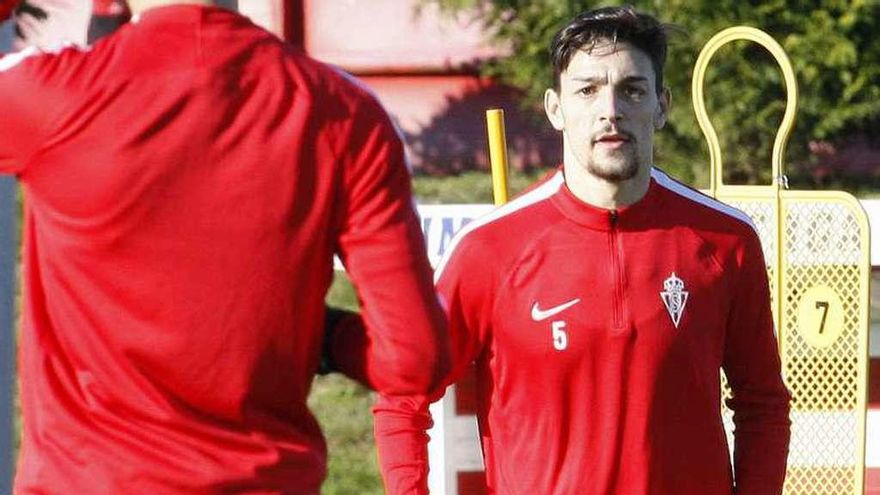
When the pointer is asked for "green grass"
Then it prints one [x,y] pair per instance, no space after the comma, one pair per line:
[343,408]
[468,187]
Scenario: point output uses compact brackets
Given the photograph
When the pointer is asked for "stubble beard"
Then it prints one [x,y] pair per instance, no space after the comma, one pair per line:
[615,166]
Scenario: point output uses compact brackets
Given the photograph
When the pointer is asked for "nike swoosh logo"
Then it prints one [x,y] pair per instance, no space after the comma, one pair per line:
[539,315]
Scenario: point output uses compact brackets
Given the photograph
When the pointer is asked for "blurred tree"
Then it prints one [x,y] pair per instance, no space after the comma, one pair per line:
[831,43]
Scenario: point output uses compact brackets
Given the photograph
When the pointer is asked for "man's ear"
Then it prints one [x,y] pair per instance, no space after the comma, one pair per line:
[660,115]
[553,109]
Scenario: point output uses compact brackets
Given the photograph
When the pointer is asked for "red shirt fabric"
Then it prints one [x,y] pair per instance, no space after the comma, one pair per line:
[599,338]
[187,183]
[7,7]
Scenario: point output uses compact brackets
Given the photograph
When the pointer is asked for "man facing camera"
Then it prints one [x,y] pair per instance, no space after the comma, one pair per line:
[601,306]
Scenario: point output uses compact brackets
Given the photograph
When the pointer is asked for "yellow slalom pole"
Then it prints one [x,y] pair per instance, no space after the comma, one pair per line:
[497,154]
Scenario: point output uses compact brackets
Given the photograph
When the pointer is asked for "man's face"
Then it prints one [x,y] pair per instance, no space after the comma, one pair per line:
[608,109]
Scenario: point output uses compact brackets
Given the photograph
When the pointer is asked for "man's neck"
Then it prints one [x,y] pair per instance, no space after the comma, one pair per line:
[140,6]
[604,194]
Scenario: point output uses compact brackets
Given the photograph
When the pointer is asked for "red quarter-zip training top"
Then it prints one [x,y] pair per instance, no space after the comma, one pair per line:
[599,338]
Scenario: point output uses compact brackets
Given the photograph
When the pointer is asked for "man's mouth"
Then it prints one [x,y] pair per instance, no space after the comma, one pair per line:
[613,140]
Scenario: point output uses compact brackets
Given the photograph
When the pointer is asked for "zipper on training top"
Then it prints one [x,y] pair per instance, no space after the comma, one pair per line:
[616,253]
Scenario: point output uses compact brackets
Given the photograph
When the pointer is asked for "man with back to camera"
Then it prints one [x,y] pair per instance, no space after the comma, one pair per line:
[188,180]
[600,306]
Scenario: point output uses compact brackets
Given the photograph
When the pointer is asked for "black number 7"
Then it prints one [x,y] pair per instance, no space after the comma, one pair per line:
[824,306]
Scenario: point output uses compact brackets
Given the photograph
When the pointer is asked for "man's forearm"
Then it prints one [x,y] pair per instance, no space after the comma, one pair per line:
[400,424]
[760,460]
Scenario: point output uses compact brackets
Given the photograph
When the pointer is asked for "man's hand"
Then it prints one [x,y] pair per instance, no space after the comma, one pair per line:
[332,318]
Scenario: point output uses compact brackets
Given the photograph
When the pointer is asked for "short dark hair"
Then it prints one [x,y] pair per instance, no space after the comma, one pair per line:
[611,24]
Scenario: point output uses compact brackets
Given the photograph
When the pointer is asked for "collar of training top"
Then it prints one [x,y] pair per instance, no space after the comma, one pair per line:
[628,217]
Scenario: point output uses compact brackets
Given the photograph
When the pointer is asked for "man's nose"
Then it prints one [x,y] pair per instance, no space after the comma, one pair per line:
[609,106]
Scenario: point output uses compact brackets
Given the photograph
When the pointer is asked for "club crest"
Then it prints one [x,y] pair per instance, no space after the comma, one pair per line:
[674,297]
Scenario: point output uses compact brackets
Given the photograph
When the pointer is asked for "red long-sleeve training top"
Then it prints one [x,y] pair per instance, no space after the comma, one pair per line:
[188,181]
[599,337]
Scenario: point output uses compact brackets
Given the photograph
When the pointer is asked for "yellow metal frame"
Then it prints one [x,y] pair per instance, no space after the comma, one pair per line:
[785,205]
[862,356]
[726,36]
[717,188]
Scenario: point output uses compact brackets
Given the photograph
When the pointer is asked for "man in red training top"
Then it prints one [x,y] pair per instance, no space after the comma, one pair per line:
[601,305]
[188,180]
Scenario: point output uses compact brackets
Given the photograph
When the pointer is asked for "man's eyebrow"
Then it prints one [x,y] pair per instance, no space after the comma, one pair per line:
[590,79]
[632,79]
[603,79]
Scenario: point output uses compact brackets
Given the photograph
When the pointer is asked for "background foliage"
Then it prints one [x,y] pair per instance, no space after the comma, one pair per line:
[831,44]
